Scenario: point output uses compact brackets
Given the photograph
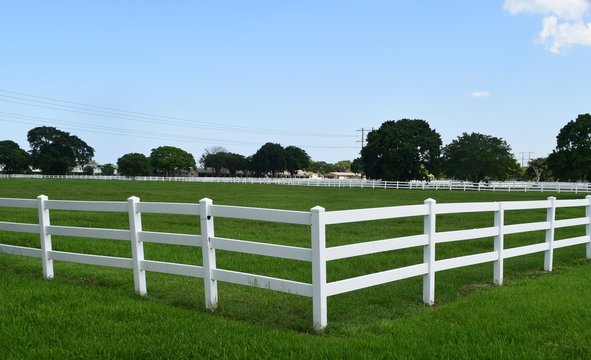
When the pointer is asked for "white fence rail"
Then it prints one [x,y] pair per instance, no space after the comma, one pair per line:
[523,186]
[318,254]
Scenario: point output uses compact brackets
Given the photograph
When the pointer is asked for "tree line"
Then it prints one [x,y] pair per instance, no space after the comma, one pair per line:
[399,150]
[56,152]
[410,149]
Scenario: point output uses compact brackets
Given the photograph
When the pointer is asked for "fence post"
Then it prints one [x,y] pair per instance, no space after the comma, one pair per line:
[319,300]
[429,254]
[45,238]
[550,216]
[209,263]
[588,226]
[137,247]
[499,245]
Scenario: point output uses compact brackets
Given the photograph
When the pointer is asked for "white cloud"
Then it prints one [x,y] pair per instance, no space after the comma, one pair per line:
[559,36]
[480,94]
[564,9]
[564,22]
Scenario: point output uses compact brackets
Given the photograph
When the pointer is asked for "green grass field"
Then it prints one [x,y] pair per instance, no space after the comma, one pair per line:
[93,312]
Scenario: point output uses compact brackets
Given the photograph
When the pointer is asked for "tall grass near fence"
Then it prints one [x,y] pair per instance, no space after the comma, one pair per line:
[385,313]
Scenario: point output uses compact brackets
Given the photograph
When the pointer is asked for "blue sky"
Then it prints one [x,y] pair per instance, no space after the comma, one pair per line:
[238,74]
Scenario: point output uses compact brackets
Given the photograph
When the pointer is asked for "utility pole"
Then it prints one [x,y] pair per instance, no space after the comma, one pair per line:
[362,140]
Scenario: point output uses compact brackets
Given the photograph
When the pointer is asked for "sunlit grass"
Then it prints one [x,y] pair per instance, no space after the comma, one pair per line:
[89,311]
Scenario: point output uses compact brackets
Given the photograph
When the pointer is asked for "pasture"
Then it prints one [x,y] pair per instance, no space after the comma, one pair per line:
[89,311]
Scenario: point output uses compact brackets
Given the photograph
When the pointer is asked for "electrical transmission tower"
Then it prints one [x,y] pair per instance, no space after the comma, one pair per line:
[523,153]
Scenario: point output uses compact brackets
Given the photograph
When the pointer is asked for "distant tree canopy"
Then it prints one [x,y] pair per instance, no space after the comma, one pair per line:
[212,150]
[296,159]
[88,170]
[401,150]
[134,164]
[537,170]
[170,159]
[270,158]
[343,166]
[216,161]
[224,160]
[357,166]
[13,159]
[477,157]
[571,160]
[321,167]
[107,169]
[57,152]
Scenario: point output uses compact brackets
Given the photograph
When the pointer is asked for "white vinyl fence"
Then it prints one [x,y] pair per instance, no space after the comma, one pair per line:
[318,254]
[522,186]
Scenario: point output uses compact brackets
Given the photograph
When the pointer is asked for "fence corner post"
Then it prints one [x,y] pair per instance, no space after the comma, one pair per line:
[550,217]
[209,261]
[429,254]
[588,226]
[137,246]
[44,237]
[319,297]
[499,245]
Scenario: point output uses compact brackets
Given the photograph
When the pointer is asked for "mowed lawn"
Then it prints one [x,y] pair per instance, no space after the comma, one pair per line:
[93,312]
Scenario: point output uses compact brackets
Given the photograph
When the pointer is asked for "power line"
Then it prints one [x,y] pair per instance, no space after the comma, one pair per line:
[94,110]
[32,120]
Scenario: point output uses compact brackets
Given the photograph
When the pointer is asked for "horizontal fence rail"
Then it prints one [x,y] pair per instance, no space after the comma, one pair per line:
[317,219]
[523,186]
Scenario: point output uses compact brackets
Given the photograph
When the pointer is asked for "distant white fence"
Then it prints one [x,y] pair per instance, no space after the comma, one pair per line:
[523,186]
[318,254]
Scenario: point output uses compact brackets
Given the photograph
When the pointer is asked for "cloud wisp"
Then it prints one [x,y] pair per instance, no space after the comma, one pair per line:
[480,94]
[564,24]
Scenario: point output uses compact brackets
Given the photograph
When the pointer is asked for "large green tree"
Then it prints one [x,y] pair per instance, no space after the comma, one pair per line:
[296,159]
[13,159]
[170,159]
[269,158]
[57,152]
[571,160]
[478,157]
[134,164]
[401,150]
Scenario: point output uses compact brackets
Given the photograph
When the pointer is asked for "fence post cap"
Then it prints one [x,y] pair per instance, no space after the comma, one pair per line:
[206,200]
[430,201]
[42,197]
[133,199]
[317,208]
